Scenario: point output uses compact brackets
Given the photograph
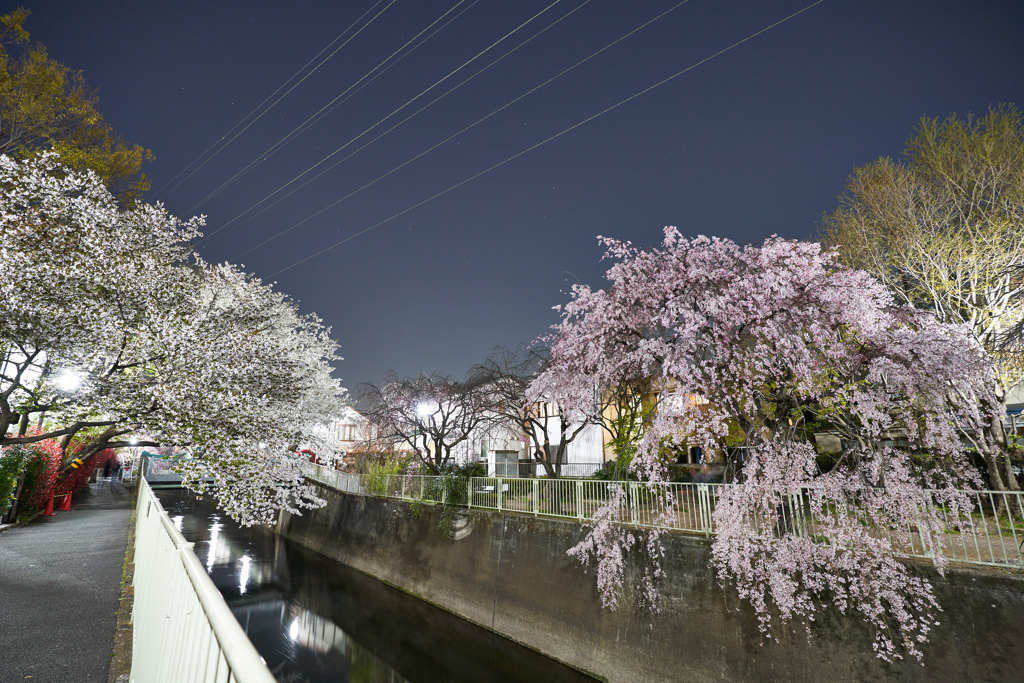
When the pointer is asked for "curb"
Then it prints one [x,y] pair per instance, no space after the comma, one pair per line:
[14,525]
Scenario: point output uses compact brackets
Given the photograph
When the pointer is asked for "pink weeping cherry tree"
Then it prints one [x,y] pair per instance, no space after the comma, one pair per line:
[769,344]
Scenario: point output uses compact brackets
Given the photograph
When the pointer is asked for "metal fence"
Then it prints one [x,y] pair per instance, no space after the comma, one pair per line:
[182,628]
[990,534]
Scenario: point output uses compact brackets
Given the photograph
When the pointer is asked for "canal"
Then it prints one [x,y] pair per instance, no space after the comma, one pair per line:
[313,619]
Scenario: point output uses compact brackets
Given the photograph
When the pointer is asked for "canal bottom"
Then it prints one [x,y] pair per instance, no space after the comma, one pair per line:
[313,619]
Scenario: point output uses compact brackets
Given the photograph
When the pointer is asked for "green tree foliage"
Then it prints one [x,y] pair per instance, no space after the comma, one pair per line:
[943,228]
[12,464]
[46,105]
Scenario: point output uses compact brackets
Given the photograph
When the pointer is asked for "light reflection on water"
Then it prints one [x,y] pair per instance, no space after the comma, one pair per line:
[314,620]
[213,545]
[243,574]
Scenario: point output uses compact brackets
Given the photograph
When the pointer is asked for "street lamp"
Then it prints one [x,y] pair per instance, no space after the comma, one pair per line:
[68,381]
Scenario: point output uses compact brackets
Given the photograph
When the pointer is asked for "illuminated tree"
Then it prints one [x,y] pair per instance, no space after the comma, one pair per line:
[773,337]
[432,414]
[44,105]
[944,230]
[548,429]
[110,326]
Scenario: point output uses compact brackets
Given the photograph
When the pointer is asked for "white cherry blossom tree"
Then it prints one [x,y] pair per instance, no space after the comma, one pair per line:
[110,326]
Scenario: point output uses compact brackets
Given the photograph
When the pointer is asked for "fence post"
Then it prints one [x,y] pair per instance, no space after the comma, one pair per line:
[469,492]
[705,508]
[403,487]
[536,507]
[421,486]
[444,492]
[632,501]
[498,487]
[579,499]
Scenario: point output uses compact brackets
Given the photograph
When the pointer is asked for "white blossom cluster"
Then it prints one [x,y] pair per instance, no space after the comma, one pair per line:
[164,346]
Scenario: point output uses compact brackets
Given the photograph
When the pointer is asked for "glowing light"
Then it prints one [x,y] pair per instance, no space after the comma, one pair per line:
[293,630]
[133,441]
[68,381]
[424,410]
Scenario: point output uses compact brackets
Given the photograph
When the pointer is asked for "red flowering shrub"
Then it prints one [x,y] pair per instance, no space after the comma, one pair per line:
[40,473]
[77,478]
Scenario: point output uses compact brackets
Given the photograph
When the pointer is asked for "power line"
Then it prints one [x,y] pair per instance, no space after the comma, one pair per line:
[223,141]
[466,128]
[315,116]
[256,208]
[550,138]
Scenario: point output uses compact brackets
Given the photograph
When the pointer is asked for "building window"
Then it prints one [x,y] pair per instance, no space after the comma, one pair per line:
[506,463]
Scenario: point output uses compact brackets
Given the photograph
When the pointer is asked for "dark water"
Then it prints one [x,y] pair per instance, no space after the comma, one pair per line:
[313,619]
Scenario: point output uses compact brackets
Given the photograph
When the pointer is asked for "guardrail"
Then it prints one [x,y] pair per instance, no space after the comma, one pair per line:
[182,628]
[991,534]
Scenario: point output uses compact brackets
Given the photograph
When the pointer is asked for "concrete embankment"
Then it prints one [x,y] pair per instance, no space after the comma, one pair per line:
[510,573]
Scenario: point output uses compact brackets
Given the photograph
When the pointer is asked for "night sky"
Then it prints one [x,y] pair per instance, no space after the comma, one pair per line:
[757,141]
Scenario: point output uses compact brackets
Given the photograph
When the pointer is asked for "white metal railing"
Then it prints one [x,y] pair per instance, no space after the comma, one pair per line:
[990,534]
[182,628]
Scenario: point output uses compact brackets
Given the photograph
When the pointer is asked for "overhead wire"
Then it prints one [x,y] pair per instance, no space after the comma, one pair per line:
[318,114]
[518,98]
[243,124]
[550,138]
[258,207]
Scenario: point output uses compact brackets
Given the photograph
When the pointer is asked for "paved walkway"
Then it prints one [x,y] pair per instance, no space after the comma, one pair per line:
[59,586]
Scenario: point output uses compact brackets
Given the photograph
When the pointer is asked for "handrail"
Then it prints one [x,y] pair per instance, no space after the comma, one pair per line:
[183,628]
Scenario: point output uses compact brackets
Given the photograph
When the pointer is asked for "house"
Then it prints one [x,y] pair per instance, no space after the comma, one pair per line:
[350,432]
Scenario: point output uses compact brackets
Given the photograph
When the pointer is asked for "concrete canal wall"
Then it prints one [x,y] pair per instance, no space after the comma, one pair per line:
[510,573]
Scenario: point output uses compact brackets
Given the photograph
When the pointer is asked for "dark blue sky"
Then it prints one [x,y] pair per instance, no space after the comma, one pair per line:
[758,141]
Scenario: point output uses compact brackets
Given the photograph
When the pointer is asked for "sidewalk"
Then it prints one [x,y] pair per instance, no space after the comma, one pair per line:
[59,587]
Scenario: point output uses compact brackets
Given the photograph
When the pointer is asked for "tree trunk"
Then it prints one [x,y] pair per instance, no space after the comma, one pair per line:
[546,461]
[560,456]
[1002,452]
[1011,478]
[12,514]
[998,435]
[87,451]
[992,465]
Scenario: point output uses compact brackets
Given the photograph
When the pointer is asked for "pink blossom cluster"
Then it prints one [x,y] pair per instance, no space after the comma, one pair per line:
[775,342]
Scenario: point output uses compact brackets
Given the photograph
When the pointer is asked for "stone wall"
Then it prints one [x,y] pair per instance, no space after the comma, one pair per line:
[510,573]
